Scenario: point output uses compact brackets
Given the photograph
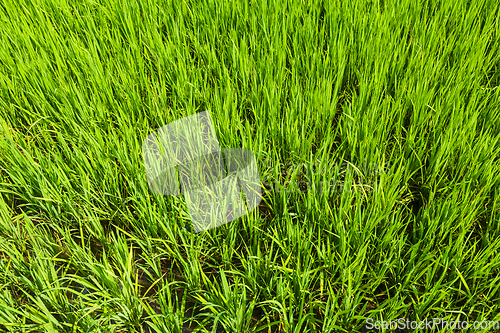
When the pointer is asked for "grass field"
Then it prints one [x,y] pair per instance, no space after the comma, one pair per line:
[318,90]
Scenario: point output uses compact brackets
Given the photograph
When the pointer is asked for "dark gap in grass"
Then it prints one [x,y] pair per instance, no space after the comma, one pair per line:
[407,121]
[348,89]
[412,210]
[265,211]
[14,202]
[247,114]
[492,80]
[417,203]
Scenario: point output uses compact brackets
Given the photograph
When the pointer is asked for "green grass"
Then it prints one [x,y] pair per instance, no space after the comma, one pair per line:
[85,245]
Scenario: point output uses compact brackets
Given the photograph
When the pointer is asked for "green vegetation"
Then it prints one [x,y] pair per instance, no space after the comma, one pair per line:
[85,246]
